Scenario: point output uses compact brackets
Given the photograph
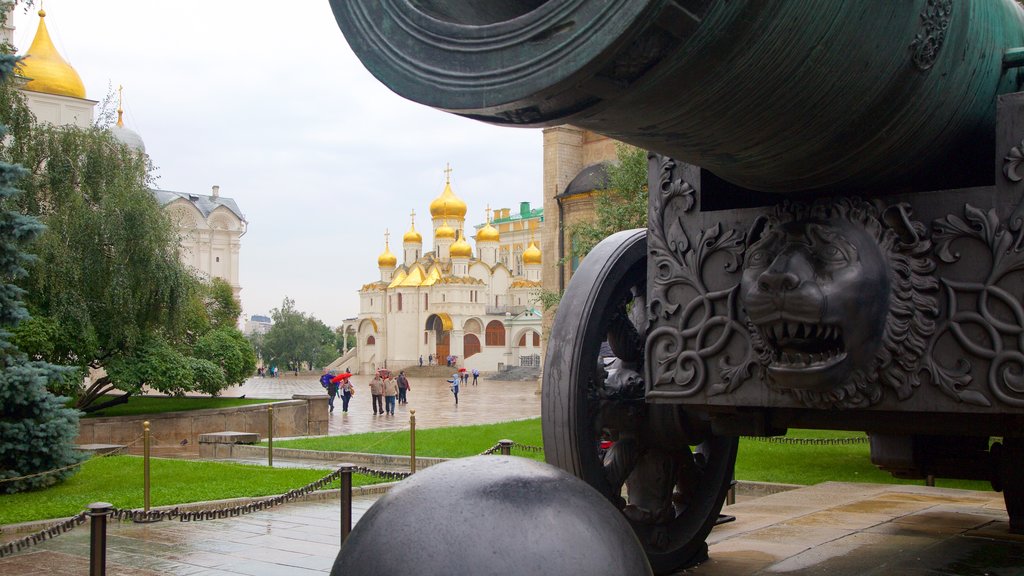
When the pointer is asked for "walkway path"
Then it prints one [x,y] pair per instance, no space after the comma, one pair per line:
[839,529]
[489,401]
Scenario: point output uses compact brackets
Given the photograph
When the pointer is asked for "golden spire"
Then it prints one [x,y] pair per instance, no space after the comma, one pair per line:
[532,254]
[46,70]
[412,236]
[120,109]
[386,258]
[447,173]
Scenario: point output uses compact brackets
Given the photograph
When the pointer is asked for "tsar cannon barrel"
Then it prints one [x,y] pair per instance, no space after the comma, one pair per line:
[772,95]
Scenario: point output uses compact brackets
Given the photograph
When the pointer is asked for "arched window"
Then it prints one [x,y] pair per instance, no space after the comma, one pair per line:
[370,340]
[470,345]
[495,335]
[536,339]
[399,302]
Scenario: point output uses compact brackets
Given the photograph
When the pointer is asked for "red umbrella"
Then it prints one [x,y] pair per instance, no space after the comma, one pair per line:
[341,377]
[462,369]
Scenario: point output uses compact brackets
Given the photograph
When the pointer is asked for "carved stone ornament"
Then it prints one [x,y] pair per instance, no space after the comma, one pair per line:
[840,301]
[934,22]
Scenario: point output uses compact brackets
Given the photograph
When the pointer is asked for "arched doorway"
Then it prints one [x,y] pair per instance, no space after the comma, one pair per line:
[470,345]
[441,326]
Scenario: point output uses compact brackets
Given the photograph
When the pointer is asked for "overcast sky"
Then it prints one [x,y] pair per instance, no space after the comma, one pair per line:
[265,99]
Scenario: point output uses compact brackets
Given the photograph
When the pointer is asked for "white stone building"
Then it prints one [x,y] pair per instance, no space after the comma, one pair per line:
[210,226]
[446,301]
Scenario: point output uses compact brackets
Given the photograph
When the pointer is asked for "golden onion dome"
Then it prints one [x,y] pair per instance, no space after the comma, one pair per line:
[488,234]
[461,249]
[412,237]
[448,204]
[46,70]
[386,258]
[444,231]
[531,255]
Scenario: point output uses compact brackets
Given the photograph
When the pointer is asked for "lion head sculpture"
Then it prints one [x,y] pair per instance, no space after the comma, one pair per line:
[839,300]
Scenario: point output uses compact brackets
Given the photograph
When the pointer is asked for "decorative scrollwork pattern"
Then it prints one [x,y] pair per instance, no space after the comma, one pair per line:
[983,318]
[934,23]
[691,323]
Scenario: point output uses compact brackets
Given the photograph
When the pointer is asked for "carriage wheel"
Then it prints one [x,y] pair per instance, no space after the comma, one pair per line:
[597,426]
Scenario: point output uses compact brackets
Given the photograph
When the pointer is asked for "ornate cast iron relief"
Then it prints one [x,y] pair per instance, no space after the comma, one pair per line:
[934,22]
[840,301]
[1012,162]
[984,319]
[831,303]
[694,323]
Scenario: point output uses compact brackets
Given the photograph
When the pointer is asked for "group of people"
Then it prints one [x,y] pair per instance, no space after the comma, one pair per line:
[385,390]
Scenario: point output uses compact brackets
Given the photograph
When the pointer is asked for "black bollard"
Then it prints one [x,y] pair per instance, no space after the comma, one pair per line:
[346,501]
[505,447]
[98,512]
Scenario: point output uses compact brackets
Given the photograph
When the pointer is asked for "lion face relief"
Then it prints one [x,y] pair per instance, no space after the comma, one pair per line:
[818,290]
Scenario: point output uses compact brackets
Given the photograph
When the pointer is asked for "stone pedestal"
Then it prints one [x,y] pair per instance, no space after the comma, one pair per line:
[316,414]
[218,444]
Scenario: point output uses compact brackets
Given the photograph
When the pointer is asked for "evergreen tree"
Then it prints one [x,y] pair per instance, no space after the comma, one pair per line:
[36,430]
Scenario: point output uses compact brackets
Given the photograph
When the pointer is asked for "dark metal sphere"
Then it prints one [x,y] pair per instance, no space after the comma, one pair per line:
[498,515]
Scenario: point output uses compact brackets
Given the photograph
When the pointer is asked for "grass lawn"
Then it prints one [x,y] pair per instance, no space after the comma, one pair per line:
[452,442]
[758,461]
[157,405]
[118,480]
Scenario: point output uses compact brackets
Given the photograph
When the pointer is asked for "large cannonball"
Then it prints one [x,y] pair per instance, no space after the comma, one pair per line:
[498,515]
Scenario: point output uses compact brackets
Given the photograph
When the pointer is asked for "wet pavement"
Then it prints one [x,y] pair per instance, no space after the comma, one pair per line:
[489,401]
[833,528]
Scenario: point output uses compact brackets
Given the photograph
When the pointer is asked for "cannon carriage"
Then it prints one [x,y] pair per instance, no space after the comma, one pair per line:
[835,238]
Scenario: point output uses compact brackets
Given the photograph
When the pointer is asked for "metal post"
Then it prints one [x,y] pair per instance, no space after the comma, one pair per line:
[505,446]
[412,441]
[145,465]
[270,436]
[98,512]
[346,501]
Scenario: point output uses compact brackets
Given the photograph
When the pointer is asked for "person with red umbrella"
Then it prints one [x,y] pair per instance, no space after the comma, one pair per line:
[346,390]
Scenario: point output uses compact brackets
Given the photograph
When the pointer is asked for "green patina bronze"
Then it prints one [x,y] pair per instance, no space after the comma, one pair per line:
[772,95]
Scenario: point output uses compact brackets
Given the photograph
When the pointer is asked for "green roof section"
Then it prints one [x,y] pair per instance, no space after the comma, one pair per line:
[525,213]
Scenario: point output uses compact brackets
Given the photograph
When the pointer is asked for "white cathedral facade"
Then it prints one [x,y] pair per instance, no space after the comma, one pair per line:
[209,226]
[442,300]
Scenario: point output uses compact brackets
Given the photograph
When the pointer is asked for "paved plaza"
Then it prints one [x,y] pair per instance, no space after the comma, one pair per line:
[489,401]
[838,529]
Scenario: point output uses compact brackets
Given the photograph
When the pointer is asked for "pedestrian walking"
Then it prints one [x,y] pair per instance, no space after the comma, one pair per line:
[403,388]
[421,360]
[390,392]
[454,381]
[327,381]
[346,390]
[476,374]
[377,393]
[430,359]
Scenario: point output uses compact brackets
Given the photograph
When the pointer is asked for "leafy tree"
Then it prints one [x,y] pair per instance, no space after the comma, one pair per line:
[36,430]
[107,292]
[297,339]
[622,206]
[229,349]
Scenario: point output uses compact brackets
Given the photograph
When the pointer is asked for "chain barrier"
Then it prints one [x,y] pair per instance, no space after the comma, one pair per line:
[527,447]
[809,441]
[143,517]
[491,450]
[47,533]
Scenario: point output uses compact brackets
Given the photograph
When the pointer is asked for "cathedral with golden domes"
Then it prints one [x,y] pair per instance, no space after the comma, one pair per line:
[444,300]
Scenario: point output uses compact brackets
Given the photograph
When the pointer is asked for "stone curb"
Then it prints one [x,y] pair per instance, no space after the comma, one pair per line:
[362,458]
[333,494]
